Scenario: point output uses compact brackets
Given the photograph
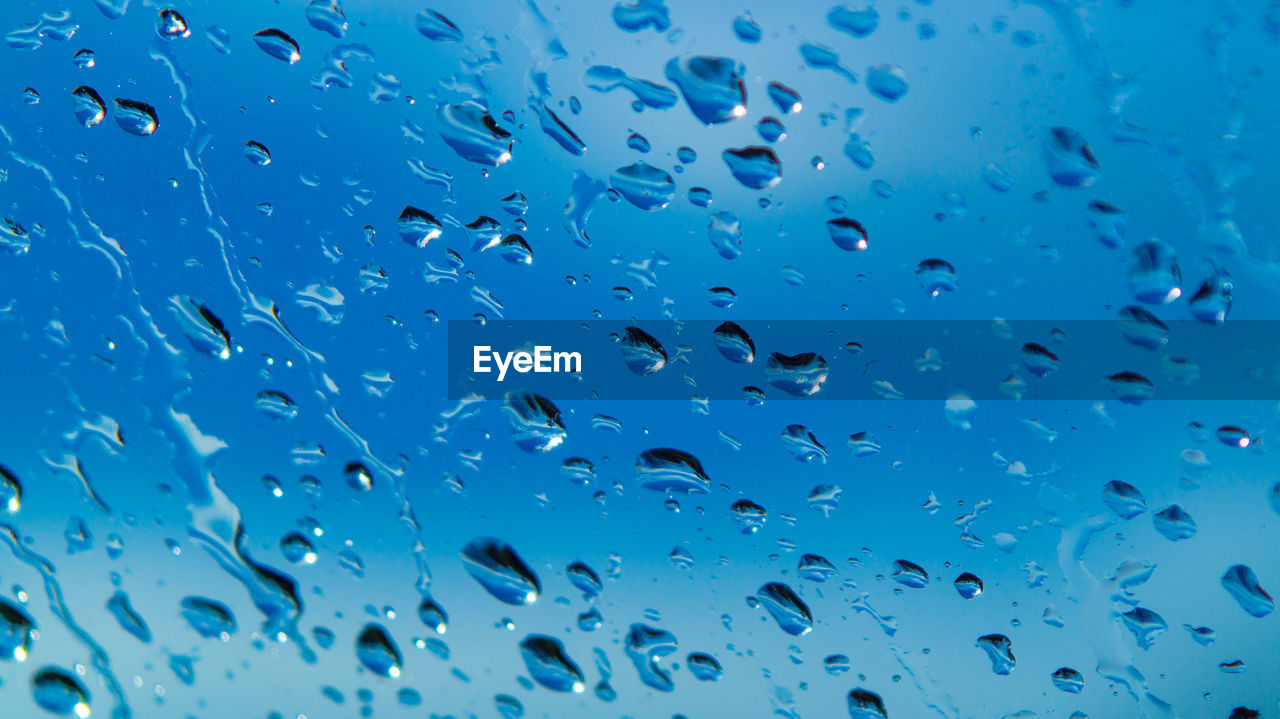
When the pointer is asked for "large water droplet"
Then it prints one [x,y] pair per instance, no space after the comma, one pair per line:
[378,652]
[16,627]
[208,617]
[712,86]
[1145,625]
[786,608]
[60,692]
[472,132]
[734,343]
[969,586]
[725,233]
[799,375]
[671,470]
[1068,680]
[1070,161]
[87,105]
[848,234]
[171,25]
[755,167]
[1000,651]
[549,665]
[496,566]
[435,26]
[1154,276]
[643,185]
[278,44]
[1124,499]
[910,574]
[1242,584]
[641,352]
[535,422]
[866,705]
[646,646]
[704,667]
[887,82]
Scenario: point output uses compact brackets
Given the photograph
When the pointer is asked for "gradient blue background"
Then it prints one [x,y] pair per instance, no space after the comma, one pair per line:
[1193,82]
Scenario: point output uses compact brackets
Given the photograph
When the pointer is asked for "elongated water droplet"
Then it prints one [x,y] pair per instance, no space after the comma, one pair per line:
[549,665]
[786,608]
[496,566]
[378,652]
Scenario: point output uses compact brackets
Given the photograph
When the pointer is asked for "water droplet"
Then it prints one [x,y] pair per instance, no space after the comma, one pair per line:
[642,14]
[550,666]
[496,566]
[756,167]
[734,343]
[171,25]
[87,105]
[1175,523]
[786,608]
[848,234]
[277,44]
[969,586]
[803,445]
[712,86]
[1243,586]
[746,28]
[858,22]
[59,692]
[671,470]
[276,405]
[704,667]
[535,422]
[821,57]
[257,153]
[646,646]
[1038,360]
[643,185]
[208,617]
[435,26]
[725,233]
[128,617]
[585,579]
[937,276]
[1068,680]
[378,652]
[1124,499]
[815,568]
[1145,625]
[16,628]
[471,131]
[866,705]
[1000,651]
[1212,302]
[327,16]
[910,574]
[358,476]
[1070,161]
[641,352]
[771,129]
[83,59]
[203,329]
[799,375]
[1109,223]
[887,82]
[10,490]
[297,548]
[604,78]
[997,177]
[433,616]
[1154,276]
[136,118]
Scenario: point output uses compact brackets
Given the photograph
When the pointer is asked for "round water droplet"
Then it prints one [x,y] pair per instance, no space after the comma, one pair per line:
[937,276]
[643,185]
[171,25]
[969,586]
[1068,680]
[257,153]
[671,470]
[848,234]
